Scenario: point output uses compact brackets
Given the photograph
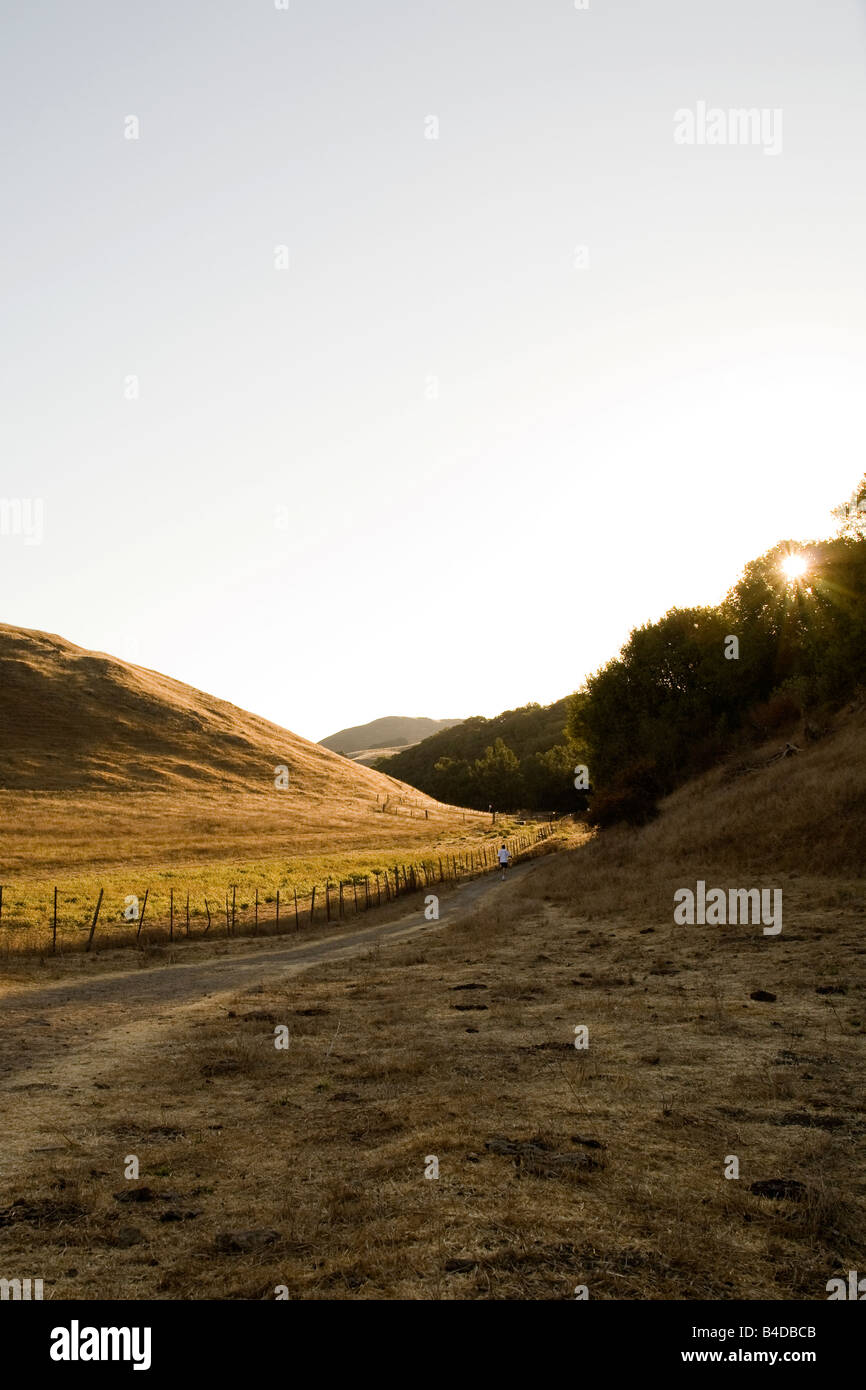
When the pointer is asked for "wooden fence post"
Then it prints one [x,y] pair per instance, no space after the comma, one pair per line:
[171,914]
[95,915]
[141,914]
[234,896]
[341,900]
[312,904]
[297,921]
[54,925]
[378,890]
[187,912]
[278,909]
[328,900]
[207,910]
[256,923]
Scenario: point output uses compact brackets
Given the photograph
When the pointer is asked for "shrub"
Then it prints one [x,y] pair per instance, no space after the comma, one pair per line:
[632,797]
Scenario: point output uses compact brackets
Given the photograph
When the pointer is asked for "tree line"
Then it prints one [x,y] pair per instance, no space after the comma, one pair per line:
[780,649]
[521,759]
[681,693]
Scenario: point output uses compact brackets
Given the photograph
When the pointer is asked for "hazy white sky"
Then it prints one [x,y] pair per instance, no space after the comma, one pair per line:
[444,462]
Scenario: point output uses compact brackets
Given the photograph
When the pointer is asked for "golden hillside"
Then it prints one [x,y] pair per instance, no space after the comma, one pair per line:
[101,759]
[75,718]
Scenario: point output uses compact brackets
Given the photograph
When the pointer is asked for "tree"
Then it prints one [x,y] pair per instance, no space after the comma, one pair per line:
[451,781]
[497,778]
[548,780]
[851,515]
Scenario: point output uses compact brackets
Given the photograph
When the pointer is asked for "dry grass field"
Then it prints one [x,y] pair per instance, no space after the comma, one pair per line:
[119,778]
[304,1169]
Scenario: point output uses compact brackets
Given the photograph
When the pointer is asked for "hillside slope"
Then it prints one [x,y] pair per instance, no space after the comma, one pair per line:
[797,822]
[535,736]
[75,718]
[101,759]
[392,731]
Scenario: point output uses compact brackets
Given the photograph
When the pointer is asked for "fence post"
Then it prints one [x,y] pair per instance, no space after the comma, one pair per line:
[328,900]
[256,918]
[312,904]
[341,899]
[207,910]
[54,925]
[234,896]
[171,914]
[187,912]
[441,875]
[378,890]
[141,914]
[297,922]
[278,909]
[95,915]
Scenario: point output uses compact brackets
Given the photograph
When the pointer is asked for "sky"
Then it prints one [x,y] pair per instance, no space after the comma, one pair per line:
[367,359]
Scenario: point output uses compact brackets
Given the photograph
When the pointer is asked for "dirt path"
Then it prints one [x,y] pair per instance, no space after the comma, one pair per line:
[61,1040]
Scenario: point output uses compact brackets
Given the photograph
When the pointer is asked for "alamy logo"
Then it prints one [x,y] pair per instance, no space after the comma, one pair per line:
[717,908]
[740,126]
[23,516]
[76,1343]
[21,1289]
[856,1288]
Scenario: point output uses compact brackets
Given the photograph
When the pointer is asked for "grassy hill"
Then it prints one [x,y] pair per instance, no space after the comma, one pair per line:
[391,732]
[103,762]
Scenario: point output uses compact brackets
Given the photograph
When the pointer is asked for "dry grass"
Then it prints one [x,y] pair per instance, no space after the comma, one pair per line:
[105,764]
[28,905]
[797,823]
[557,1167]
[119,778]
[325,1144]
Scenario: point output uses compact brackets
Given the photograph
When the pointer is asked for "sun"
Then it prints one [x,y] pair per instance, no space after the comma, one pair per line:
[794,566]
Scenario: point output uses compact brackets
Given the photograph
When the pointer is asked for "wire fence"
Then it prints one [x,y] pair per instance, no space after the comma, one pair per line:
[174,914]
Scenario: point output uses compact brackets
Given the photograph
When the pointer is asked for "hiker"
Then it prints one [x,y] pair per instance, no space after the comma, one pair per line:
[504,857]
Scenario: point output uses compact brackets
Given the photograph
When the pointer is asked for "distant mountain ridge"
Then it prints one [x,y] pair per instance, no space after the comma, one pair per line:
[392,731]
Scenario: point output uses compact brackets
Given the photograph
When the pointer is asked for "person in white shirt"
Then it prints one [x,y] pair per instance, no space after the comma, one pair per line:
[504,857]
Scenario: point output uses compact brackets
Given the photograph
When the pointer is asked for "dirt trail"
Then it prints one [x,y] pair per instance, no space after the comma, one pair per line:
[61,1040]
